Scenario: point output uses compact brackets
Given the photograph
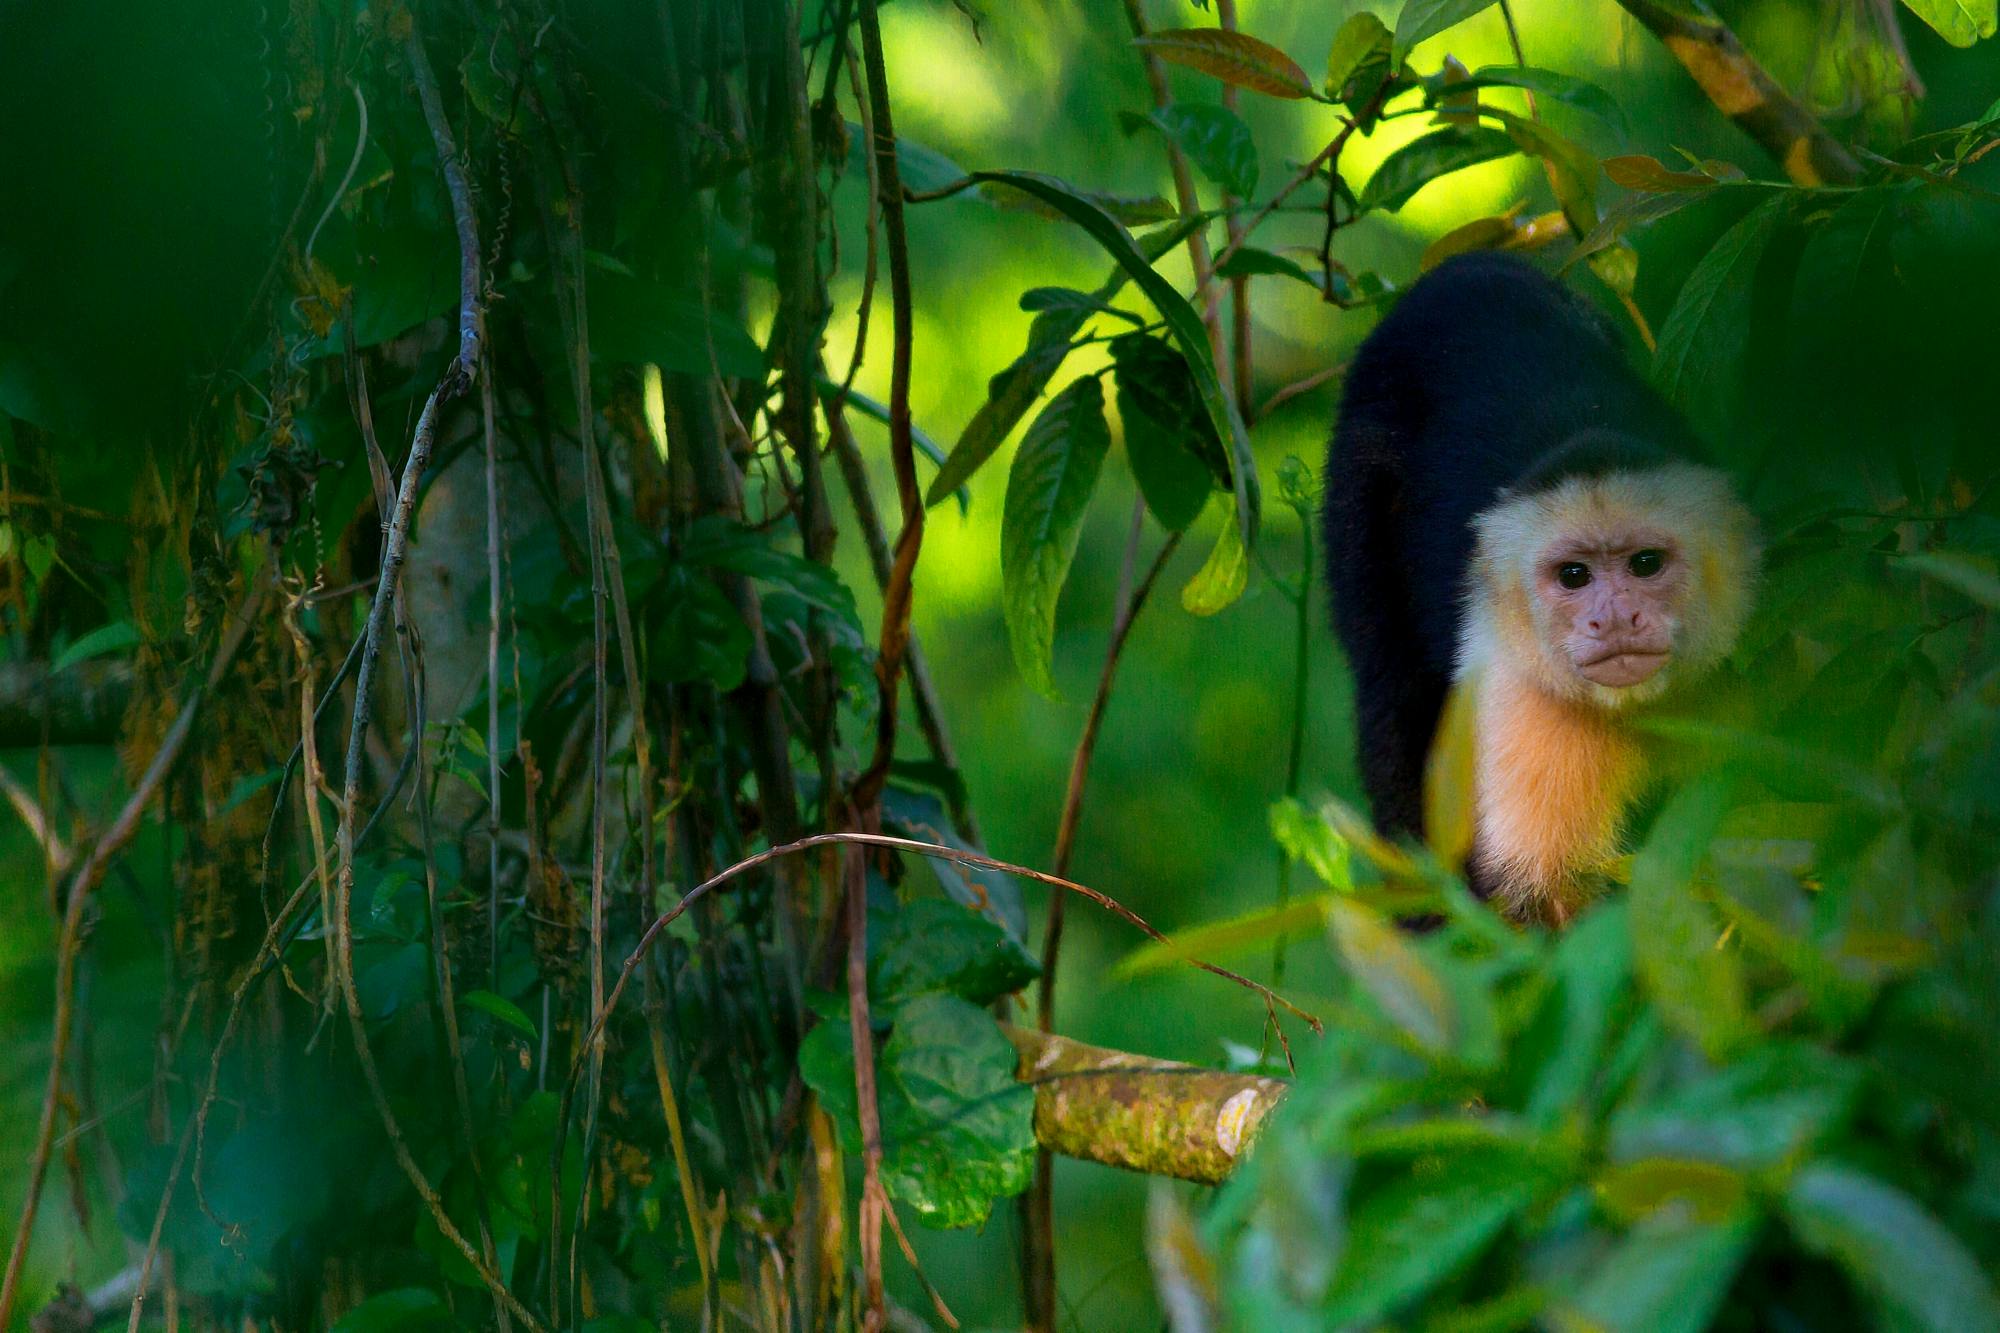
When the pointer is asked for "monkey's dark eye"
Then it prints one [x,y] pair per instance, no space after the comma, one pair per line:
[1573,574]
[1645,564]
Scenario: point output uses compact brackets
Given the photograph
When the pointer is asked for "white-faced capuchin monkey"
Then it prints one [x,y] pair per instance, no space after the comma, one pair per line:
[1510,506]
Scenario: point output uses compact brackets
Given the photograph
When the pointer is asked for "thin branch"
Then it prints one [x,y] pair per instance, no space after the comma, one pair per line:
[1297,387]
[69,941]
[470,314]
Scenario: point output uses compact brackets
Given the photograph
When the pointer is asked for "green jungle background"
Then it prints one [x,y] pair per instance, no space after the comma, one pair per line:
[1755,1089]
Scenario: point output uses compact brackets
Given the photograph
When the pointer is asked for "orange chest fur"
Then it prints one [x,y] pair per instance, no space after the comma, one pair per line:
[1553,780]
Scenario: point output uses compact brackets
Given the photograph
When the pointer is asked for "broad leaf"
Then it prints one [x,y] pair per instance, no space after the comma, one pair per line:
[1582,94]
[1361,38]
[501,1008]
[1234,57]
[1960,22]
[1699,361]
[1639,172]
[1048,489]
[1698,986]
[1221,578]
[921,169]
[634,320]
[1777,1104]
[1668,1277]
[1038,299]
[1214,139]
[104,639]
[931,946]
[699,635]
[1407,1238]
[957,1129]
[1382,962]
[1421,161]
[1922,1274]
[1427,18]
[1172,448]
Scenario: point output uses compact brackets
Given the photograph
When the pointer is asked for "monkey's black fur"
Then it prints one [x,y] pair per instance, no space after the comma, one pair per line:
[1486,377]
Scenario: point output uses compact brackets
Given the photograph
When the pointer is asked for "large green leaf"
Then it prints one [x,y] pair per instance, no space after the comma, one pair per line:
[1214,139]
[1960,22]
[1181,321]
[1048,489]
[1360,39]
[1697,986]
[957,1129]
[634,320]
[1421,161]
[699,635]
[1234,57]
[1171,446]
[1593,967]
[930,945]
[1922,1274]
[1393,974]
[1665,1277]
[920,168]
[1775,1105]
[1407,1238]
[1427,18]
[1566,88]
[1014,390]
[1699,361]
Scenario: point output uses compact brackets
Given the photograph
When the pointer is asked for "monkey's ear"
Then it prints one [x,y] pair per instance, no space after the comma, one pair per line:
[1448,776]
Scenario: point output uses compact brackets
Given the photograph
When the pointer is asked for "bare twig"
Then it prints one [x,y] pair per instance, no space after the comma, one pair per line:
[470,312]
[69,941]
[1297,387]
[1239,286]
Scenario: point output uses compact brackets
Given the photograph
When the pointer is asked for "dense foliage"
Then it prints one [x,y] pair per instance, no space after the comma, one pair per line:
[451,570]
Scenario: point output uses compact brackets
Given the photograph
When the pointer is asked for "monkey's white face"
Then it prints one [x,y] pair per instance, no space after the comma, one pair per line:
[1610,605]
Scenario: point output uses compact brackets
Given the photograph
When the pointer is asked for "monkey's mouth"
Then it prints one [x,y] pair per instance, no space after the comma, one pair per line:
[1620,667]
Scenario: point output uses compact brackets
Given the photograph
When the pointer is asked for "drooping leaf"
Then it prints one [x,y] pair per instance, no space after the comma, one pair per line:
[1405,1239]
[1181,321]
[1448,778]
[919,815]
[1311,839]
[1048,489]
[1698,987]
[1971,574]
[1361,38]
[1427,18]
[1922,1274]
[1421,161]
[1234,57]
[1214,139]
[1393,974]
[1172,448]
[1593,967]
[1699,361]
[1700,1190]
[1636,171]
[1960,22]
[1217,940]
[1221,578]
[1572,171]
[939,946]
[1668,1277]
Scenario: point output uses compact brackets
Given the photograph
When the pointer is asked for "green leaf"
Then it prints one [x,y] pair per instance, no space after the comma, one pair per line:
[398,1311]
[1773,1106]
[1214,139]
[1637,171]
[875,410]
[1698,987]
[1068,298]
[1593,966]
[1234,57]
[38,553]
[922,170]
[1171,446]
[1250,262]
[104,639]
[1922,1274]
[1426,18]
[1379,958]
[1699,362]
[1406,1239]
[715,542]
[921,816]
[1014,390]
[1582,94]
[1215,940]
[1960,22]
[1306,837]
[699,635]
[1668,1277]
[1970,574]
[1181,320]
[1421,161]
[957,1129]
[501,1008]
[1360,38]
[939,946]
[1048,489]
[1221,578]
